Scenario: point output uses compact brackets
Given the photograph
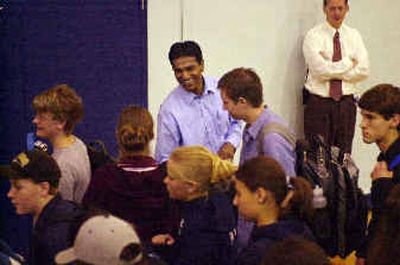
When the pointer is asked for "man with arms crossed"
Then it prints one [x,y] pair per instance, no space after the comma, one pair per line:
[337,60]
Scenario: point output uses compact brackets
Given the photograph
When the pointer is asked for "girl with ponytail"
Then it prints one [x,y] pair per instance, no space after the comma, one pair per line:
[263,197]
[207,227]
[133,188]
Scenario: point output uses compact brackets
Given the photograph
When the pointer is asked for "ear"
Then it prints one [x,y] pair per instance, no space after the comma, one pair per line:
[44,188]
[193,187]
[395,120]
[61,125]
[262,196]
[241,100]
[202,65]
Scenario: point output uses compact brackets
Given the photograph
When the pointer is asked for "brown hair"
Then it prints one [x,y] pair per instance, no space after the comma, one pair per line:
[134,129]
[326,2]
[242,82]
[198,164]
[63,102]
[383,99]
[267,173]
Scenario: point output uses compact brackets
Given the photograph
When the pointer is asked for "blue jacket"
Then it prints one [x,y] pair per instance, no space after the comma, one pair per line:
[54,230]
[207,232]
[264,236]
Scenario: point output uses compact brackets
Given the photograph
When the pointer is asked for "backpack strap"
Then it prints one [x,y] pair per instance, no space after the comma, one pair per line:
[394,162]
[275,127]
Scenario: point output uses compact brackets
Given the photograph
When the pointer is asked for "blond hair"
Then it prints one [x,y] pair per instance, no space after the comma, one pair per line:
[198,164]
[63,102]
[134,129]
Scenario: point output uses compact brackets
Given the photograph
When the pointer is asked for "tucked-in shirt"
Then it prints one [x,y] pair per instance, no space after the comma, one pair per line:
[189,119]
[274,144]
[74,164]
[320,71]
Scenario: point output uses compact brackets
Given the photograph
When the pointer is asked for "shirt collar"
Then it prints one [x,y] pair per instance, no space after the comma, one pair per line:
[391,152]
[333,30]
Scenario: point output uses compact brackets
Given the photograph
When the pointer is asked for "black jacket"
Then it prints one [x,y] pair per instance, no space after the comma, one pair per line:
[55,230]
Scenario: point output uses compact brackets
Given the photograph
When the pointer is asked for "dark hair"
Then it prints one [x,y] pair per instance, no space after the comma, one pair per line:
[295,251]
[242,82]
[63,102]
[326,2]
[385,247]
[134,129]
[185,49]
[383,99]
[267,173]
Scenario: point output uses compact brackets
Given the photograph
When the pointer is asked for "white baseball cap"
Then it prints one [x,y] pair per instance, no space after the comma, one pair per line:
[101,241]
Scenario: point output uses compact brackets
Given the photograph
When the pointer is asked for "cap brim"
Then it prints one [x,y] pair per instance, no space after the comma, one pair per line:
[66,256]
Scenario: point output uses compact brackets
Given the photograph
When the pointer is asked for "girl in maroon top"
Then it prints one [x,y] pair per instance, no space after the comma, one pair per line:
[133,188]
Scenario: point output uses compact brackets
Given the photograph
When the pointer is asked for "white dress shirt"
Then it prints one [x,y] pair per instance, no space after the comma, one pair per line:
[318,52]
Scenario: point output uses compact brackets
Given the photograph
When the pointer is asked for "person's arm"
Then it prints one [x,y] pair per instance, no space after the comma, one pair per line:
[232,139]
[318,62]
[361,70]
[168,135]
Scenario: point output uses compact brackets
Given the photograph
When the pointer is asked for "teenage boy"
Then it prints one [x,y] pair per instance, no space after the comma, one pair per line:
[34,177]
[380,124]
[57,111]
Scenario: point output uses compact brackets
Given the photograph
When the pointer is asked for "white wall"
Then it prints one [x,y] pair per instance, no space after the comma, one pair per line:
[267,36]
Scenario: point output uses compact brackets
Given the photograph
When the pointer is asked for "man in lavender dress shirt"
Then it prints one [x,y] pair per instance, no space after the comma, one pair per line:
[192,114]
[242,96]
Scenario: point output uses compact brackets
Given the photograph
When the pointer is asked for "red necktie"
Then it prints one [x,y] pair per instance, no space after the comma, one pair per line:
[335,88]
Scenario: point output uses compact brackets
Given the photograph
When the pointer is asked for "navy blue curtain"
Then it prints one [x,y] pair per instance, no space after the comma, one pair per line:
[98,47]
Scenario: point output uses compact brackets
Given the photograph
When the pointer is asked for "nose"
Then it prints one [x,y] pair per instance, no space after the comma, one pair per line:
[166,180]
[35,120]
[362,123]
[10,193]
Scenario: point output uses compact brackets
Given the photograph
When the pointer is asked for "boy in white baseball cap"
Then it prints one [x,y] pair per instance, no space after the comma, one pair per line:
[105,240]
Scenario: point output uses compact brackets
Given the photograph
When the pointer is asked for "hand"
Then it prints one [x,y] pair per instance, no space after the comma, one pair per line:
[227,151]
[360,261]
[381,171]
[163,239]
[325,55]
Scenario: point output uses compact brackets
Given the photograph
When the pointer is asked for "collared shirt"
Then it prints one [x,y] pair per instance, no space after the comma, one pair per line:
[320,40]
[189,119]
[274,144]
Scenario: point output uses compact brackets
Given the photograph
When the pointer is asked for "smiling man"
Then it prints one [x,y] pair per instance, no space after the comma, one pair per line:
[380,124]
[337,61]
[192,114]
[34,177]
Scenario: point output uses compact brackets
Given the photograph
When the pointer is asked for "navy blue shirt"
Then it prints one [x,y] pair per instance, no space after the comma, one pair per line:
[263,237]
[207,232]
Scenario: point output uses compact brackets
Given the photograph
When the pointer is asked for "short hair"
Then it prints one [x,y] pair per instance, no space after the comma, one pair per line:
[295,251]
[134,129]
[242,82]
[63,102]
[383,99]
[326,2]
[265,172]
[198,164]
[185,49]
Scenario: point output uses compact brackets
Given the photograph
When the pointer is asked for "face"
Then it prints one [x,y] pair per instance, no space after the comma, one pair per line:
[25,195]
[188,73]
[335,12]
[375,128]
[234,108]
[178,189]
[246,201]
[46,126]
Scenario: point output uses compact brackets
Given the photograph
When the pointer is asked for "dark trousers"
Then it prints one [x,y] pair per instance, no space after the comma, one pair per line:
[334,120]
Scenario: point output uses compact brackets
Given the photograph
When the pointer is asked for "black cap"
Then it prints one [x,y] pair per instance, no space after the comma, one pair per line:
[35,165]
